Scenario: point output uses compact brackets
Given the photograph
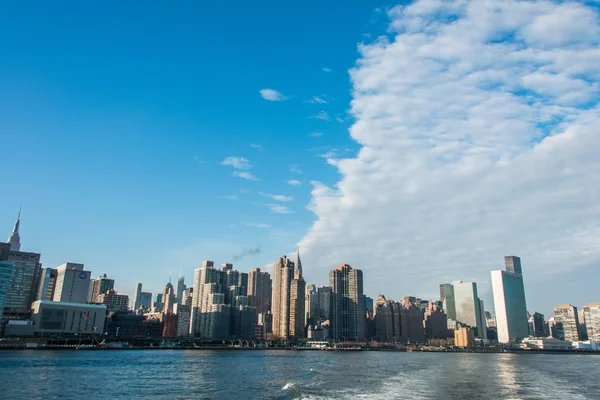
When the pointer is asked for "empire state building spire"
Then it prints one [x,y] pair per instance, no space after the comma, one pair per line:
[15,239]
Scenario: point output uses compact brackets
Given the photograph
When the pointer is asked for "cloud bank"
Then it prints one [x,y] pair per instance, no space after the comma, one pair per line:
[479,127]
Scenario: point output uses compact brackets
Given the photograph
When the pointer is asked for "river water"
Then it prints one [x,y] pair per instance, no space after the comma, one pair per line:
[239,374]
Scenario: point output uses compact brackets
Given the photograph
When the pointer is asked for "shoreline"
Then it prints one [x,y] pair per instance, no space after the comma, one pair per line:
[233,348]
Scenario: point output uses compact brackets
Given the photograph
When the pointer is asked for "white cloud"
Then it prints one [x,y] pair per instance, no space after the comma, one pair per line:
[479,139]
[325,69]
[318,100]
[316,135]
[245,175]
[295,168]
[279,209]
[230,197]
[256,146]
[294,182]
[257,225]
[277,197]
[237,162]
[272,95]
[322,115]
[338,119]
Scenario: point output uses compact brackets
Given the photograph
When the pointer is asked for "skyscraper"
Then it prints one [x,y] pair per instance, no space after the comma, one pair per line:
[22,287]
[259,290]
[47,283]
[539,329]
[72,283]
[348,310]
[592,321]
[180,289]
[168,297]
[566,316]
[447,298]
[137,297]
[5,272]
[468,307]
[288,300]
[100,286]
[509,301]
[15,239]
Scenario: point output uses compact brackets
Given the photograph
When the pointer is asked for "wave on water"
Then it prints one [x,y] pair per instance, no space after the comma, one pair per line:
[288,386]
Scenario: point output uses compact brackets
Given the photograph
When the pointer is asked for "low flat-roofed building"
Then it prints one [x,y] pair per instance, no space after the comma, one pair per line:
[545,344]
[67,318]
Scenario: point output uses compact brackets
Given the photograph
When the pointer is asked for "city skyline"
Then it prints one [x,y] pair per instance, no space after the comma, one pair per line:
[418,149]
[512,265]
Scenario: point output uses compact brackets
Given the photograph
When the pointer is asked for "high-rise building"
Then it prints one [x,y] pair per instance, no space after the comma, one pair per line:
[539,322]
[47,283]
[114,302]
[592,321]
[168,297]
[311,306]
[180,289]
[288,300]
[100,286]
[464,337]
[202,298]
[468,307]
[566,315]
[137,297]
[183,319]
[186,299]
[14,240]
[436,322]
[509,301]
[72,283]
[447,298]
[348,310]
[325,295]
[5,272]
[23,284]
[259,290]
[145,301]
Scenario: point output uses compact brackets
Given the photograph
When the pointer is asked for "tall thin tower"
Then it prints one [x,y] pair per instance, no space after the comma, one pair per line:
[15,239]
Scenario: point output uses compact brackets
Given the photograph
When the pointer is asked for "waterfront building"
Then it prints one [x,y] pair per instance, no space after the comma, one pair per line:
[583,335]
[47,283]
[207,281]
[566,315]
[100,286]
[325,294]
[288,299]
[72,283]
[168,297]
[447,298]
[125,325]
[539,325]
[114,302]
[68,318]
[180,289]
[592,321]
[183,319]
[436,322]
[23,283]
[137,297]
[464,337]
[348,310]
[468,307]
[259,290]
[546,344]
[5,272]
[387,320]
[412,323]
[169,324]
[265,320]
[509,301]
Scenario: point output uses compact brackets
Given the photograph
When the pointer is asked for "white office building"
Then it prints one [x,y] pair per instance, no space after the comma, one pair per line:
[72,283]
[509,302]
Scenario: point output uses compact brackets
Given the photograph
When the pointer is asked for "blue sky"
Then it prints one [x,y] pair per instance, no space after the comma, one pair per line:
[119,116]
[139,142]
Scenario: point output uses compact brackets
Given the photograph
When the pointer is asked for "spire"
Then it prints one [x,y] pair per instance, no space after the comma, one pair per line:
[298,270]
[15,239]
